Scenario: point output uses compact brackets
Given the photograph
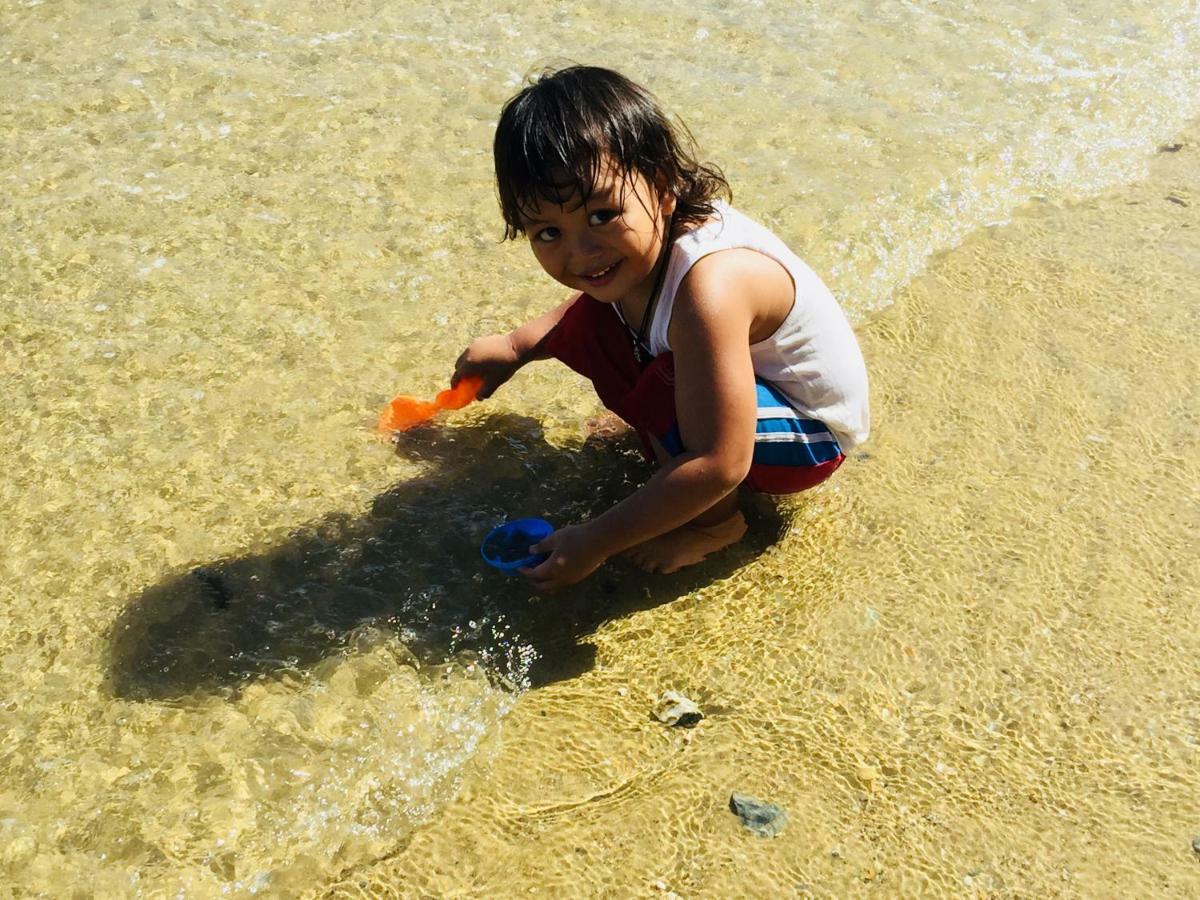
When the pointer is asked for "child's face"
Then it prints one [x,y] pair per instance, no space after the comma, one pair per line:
[608,246]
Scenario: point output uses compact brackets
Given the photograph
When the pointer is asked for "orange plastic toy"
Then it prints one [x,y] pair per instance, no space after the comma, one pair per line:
[405,412]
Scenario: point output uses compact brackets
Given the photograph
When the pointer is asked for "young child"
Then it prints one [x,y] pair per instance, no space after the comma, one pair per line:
[696,325]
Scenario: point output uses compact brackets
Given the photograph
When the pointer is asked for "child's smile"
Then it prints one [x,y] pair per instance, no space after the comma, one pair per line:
[604,276]
[608,246]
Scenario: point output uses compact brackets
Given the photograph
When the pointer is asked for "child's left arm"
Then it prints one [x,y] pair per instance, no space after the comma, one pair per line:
[715,408]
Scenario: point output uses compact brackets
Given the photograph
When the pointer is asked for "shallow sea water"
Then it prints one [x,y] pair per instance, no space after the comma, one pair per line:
[967,669]
[247,649]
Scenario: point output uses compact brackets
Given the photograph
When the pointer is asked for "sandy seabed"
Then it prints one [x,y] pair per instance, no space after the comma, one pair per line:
[970,668]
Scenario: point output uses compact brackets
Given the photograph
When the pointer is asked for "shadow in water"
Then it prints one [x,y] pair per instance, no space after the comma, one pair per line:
[411,565]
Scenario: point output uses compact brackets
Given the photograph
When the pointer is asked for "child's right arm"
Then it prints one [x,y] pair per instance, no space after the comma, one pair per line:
[497,357]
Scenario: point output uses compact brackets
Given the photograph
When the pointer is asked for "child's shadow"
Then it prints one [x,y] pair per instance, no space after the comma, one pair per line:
[411,565]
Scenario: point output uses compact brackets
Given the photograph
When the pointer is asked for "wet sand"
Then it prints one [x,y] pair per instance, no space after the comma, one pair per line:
[971,666]
[247,649]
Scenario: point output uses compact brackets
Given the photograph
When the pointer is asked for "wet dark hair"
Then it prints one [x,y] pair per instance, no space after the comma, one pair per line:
[553,136]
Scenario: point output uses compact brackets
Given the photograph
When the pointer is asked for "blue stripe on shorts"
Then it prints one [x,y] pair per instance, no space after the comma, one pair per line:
[782,437]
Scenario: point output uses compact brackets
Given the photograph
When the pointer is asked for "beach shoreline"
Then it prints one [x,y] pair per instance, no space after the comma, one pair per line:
[249,646]
[974,676]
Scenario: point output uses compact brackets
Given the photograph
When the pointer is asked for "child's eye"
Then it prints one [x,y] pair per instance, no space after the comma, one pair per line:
[601,216]
[546,235]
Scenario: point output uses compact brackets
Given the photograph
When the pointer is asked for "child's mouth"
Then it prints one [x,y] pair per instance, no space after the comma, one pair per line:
[602,277]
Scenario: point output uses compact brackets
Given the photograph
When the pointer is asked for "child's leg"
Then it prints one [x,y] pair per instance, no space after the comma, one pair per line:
[791,454]
[689,544]
[714,529]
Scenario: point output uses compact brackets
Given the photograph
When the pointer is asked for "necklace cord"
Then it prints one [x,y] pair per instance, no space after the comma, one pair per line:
[641,350]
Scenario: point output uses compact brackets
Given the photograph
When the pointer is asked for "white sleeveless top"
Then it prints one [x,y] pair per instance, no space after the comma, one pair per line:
[813,357]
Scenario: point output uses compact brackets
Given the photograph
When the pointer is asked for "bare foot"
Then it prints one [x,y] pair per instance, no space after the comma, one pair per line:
[686,545]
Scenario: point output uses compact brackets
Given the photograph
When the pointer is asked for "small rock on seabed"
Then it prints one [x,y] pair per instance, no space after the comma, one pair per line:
[766,819]
[675,709]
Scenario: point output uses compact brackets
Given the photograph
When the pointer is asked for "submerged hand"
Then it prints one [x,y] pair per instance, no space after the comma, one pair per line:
[573,557]
[492,358]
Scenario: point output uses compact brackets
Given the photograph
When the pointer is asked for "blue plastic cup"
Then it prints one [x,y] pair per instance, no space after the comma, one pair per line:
[507,546]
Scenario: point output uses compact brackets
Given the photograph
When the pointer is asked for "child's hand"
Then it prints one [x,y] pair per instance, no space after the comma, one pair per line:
[573,557]
[492,358]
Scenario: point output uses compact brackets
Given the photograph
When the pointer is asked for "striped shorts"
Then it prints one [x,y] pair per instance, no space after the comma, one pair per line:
[791,453]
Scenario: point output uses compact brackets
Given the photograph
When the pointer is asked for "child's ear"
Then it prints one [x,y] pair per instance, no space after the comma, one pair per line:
[668,204]
[666,198]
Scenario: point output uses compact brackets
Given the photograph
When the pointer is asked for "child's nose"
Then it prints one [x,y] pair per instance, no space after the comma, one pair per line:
[586,245]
